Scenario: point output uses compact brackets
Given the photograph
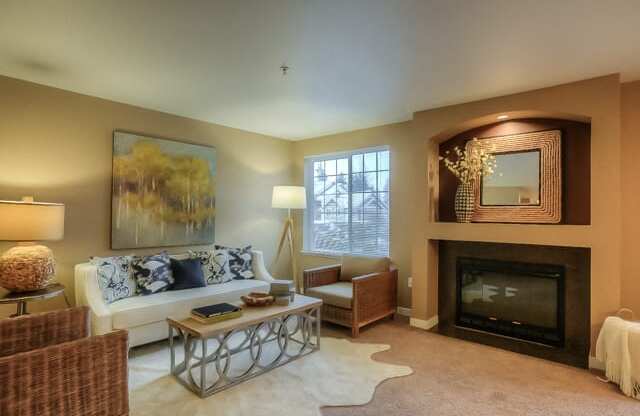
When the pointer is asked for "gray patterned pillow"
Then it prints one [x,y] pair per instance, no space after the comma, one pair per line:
[152,273]
[215,265]
[239,262]
[114,277]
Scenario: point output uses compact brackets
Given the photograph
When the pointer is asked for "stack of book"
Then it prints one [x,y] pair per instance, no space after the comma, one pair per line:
[216,313]
[282,291]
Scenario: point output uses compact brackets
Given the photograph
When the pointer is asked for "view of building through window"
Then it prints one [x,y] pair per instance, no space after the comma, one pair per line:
[348,210]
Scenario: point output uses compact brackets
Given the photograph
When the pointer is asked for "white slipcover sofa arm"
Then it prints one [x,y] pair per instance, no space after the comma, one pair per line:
[259,268]
[88,294]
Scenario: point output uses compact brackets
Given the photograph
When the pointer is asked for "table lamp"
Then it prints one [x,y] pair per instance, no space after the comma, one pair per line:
[29,266]
[289,197]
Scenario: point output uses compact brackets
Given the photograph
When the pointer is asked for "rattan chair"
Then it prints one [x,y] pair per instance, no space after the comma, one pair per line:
[367,299]
[49,366]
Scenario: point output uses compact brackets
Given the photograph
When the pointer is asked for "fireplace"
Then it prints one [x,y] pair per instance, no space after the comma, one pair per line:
[530,299]
[515,299]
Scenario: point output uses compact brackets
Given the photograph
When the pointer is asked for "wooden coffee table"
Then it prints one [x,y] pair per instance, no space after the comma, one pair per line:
[292,331]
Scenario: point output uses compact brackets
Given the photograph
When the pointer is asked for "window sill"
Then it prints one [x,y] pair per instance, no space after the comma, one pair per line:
[327,254]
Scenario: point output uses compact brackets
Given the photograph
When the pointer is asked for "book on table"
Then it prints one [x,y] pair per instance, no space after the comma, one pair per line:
[216,313]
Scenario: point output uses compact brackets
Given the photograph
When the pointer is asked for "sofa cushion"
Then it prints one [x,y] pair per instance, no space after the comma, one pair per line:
[336,294]
[114,277]
[353,266]
[215,265]
[187,274]
[152,273]
[142,310]
[240,262]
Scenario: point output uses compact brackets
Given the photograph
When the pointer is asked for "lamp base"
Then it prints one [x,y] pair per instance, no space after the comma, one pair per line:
[27,267]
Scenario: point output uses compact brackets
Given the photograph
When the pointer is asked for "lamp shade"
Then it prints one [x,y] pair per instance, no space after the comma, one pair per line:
[31,221]
[293,197]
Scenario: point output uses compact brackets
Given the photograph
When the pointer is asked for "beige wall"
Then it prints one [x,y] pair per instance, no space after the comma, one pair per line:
[57,146]
[403,167]
[631,196]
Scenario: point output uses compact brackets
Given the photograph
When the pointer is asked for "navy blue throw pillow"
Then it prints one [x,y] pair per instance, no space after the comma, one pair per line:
[187,274]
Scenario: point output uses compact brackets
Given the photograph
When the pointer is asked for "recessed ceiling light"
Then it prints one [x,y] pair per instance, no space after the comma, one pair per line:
[503,117]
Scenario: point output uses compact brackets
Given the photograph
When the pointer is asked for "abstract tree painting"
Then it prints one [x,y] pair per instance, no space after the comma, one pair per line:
[163,192]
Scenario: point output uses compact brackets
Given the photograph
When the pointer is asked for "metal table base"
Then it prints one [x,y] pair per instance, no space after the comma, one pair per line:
[294,336]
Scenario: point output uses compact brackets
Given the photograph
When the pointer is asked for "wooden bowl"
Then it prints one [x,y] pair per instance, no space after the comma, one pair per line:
[257,299]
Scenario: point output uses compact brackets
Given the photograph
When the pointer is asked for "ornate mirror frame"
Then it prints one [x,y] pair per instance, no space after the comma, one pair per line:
[549,211]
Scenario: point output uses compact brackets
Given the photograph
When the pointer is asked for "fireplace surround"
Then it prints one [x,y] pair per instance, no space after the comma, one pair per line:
[526,298]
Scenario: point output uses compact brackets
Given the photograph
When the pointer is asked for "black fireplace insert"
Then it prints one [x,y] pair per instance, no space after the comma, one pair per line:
[519,300]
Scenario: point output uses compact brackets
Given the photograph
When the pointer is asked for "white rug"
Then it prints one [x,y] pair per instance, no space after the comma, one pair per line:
[342,373]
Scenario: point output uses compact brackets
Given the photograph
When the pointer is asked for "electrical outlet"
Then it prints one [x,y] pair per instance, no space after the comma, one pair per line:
[410,281]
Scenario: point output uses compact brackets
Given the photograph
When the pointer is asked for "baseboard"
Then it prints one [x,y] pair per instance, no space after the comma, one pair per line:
[595,364]
[422,324]
[403,311]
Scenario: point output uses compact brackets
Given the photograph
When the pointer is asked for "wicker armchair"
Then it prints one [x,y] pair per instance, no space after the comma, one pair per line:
[49,366]
[354,304]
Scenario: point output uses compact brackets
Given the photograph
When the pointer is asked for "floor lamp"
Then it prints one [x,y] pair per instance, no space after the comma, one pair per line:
[289,197]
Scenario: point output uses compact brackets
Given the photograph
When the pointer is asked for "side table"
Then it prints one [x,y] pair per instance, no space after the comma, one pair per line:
[21,298]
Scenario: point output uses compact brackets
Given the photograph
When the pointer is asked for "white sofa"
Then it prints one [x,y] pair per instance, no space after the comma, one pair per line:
[145,316]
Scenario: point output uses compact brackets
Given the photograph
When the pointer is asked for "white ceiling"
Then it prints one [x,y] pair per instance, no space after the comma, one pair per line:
[354,63]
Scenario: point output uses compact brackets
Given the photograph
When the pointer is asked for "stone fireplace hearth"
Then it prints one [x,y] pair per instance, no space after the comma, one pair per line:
[525,298]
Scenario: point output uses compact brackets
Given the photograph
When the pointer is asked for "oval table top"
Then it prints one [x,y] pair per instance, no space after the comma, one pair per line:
[50,291]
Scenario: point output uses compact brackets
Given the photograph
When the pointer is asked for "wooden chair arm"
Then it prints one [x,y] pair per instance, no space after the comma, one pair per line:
[375,295]
[32,332]
[77,378]
[321,276]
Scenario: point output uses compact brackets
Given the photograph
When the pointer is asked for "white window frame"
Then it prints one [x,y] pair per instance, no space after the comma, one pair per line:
[309,213]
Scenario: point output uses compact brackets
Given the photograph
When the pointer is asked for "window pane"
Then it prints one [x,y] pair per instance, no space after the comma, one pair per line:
[330,167]
[343,202]
[370,162]
[330,185]
[383,181]
[318,168]
[370,182]
[357,182]
[370,203]
[356,163]
[318,186]
[342,184]
[383,160]
[343,166]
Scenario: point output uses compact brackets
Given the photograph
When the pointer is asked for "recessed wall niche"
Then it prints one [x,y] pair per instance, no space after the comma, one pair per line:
[576,161]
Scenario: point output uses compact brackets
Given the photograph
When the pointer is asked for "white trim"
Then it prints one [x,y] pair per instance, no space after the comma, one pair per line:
[422,324]
[596,364]
[403,311]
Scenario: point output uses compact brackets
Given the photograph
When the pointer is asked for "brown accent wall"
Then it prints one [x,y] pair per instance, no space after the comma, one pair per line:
[576,159]
[57,146]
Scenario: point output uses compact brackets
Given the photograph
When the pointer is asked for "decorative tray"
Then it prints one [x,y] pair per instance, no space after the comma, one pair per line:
[257,299]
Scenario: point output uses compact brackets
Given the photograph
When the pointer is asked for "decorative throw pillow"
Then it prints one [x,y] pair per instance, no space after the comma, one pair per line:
[114,277]
[187,274]
[152,273]
[215,265]
[239,262]
[353,266]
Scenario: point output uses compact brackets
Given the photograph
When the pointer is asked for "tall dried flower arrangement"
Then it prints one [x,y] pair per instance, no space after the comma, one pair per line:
[468,166]
[470,163]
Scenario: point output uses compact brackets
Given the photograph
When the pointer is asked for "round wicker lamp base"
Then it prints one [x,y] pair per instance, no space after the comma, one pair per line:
[25,268]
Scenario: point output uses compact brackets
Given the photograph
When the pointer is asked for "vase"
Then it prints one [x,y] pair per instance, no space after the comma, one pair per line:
[464,202]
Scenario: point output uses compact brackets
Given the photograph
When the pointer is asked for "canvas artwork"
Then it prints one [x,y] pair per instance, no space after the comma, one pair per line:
[163,192]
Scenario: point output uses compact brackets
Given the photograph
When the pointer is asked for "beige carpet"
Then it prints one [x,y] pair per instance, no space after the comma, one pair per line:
[458,378]
[341,373]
